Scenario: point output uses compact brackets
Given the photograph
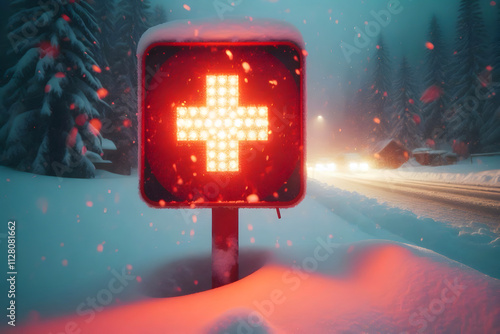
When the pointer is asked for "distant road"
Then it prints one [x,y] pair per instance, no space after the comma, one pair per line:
[458,204]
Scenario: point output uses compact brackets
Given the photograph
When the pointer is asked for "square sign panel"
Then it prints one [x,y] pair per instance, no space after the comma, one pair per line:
[222,116]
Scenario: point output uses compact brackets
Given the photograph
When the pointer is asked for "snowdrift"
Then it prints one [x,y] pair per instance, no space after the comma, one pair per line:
[374,287]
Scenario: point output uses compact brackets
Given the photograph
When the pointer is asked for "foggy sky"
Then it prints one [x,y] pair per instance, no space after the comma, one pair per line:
[327,65]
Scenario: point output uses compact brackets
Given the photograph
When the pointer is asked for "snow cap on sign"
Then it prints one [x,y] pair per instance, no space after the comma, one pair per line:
[230,30]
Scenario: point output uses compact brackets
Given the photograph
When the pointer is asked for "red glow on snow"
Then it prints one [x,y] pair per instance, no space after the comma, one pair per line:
[129,267]
[127,123]
[252,240]
[431,94]
[289,243]
[81,119]
[64,262]
[138,279]
[430,143]
[378,47]
[489,68]
[429,45]
[250,227]
[411,101]
[416,119]
[95,126]
[100,248]
[47,88]
[195,219]
[89,204]
[66,18]
[102,93]
[96,69]
[493,3]
[71,139]
[191,233]
[386,279]
[60,75]
[186,7]
[376,120]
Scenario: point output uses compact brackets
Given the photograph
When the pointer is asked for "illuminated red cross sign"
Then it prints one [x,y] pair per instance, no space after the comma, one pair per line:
[222,124]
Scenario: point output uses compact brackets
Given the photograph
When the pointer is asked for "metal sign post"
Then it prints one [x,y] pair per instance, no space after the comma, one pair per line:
[225,246]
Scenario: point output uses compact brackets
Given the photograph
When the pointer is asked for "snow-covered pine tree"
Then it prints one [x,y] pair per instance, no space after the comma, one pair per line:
[133,19]
[378,94]
[490,131]
[360,123]
[105,16]
[435,95]
[52,92]
[405,108]
[467,66]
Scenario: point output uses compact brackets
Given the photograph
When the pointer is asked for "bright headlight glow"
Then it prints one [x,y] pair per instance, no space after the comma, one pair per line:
[329,167]
[354,166]
[364,166]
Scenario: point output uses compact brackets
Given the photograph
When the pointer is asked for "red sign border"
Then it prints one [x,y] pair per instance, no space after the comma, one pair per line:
[234,204]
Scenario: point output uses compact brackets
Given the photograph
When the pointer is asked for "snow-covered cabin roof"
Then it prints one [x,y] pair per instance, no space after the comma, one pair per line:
[229,30]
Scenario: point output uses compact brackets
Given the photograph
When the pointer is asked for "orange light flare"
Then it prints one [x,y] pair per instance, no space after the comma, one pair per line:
[95,126]
[429,45]
[71,138]
[186,7]
[229,54]
[376,120]
[431,94]
[222,123]
[246,66]
[96,69]
[102,93]
[127,123]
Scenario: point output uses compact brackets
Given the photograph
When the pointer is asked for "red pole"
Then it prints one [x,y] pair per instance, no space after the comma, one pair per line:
[224,246]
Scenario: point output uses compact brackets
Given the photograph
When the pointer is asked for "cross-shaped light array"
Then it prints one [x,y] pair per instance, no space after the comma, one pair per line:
[222,124]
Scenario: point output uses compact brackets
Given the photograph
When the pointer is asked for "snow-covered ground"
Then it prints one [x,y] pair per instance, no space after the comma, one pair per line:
[92,256]
[478,171]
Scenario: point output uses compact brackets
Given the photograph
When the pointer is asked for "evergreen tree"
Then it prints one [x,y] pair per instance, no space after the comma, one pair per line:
[405,108]
[360,121]
[490,92]
[378,95]
[52,91]
[133,19]
[434,98]
[468,63]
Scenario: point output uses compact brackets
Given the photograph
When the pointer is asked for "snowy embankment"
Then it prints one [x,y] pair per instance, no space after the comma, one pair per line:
[482,171]
[93,256]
